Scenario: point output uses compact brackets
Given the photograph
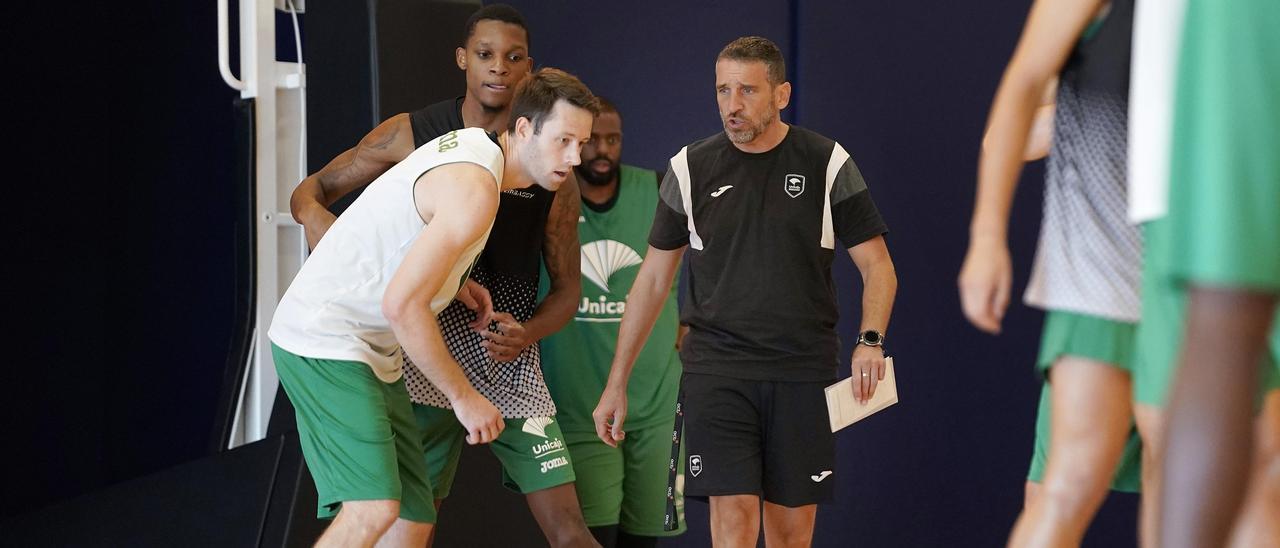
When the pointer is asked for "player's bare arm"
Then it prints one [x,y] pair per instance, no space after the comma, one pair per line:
[1040,137]
[879,287]
[563,258]
[644,303]
[387,144]
[986,277]
[459,202]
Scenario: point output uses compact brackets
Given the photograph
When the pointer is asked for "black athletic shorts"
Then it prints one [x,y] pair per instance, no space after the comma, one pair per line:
[765,438]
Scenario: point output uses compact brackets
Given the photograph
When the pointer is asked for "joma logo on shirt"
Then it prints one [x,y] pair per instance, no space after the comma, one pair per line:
[554,463]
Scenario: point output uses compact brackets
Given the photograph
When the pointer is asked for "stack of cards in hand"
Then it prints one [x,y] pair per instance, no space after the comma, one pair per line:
[844,409]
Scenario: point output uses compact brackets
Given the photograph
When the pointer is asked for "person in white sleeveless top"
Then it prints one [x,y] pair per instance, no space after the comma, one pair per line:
[396,258]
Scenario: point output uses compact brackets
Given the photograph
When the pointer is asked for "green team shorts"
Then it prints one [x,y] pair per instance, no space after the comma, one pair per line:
[1081,335]
[357,435]
[627,485]
[1159,336]
[532,451]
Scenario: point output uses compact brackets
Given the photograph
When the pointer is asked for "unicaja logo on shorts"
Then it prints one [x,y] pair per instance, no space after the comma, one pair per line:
[537,426]
[553,445]
[794,184]
[695,465]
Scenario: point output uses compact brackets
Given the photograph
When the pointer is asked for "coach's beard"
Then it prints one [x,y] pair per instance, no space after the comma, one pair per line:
[751,130]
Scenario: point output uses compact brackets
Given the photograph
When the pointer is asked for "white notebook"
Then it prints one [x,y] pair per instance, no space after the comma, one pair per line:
[843,408]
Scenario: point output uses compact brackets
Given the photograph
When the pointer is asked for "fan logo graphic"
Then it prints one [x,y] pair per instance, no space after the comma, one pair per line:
[602,258]
[537,426]
[794,184]
[695,465]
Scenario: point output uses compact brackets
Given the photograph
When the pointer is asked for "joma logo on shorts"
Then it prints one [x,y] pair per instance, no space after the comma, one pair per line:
[554,463]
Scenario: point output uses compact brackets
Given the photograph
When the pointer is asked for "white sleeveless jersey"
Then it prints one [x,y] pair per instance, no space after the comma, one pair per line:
[333,308]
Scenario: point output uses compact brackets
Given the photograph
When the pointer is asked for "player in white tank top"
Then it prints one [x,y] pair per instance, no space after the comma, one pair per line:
[402,251]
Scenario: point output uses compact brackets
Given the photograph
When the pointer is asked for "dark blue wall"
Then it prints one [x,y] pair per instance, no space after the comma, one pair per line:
[119,161]
[120,314]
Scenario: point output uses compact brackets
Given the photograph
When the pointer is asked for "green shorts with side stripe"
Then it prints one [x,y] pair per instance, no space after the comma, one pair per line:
[357,435]
[1098,339]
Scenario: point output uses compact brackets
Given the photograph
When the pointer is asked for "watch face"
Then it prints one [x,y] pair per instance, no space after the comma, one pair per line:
[871,337]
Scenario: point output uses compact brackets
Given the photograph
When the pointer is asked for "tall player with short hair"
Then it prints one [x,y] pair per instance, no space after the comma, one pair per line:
[533,226]
[373,286]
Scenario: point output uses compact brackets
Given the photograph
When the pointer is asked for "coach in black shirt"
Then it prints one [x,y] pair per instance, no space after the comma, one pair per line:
[760,208]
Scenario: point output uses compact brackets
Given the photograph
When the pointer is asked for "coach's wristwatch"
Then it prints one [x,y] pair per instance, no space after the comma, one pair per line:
[871,337]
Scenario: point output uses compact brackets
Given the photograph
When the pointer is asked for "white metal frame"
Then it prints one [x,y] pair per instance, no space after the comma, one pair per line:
[278,90]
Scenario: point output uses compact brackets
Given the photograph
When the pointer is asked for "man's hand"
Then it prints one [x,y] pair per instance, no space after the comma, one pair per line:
[985,281]
[508,340]
[476,298]
[479,417]
[610,414]
[868,371]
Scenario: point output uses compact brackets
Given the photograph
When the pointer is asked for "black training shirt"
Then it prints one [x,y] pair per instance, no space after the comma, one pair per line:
[761,302]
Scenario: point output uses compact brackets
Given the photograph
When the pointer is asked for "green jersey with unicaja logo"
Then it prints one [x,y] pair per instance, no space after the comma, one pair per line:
[576,359]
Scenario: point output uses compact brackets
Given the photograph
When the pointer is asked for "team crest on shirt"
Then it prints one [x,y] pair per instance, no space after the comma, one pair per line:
[793,184]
